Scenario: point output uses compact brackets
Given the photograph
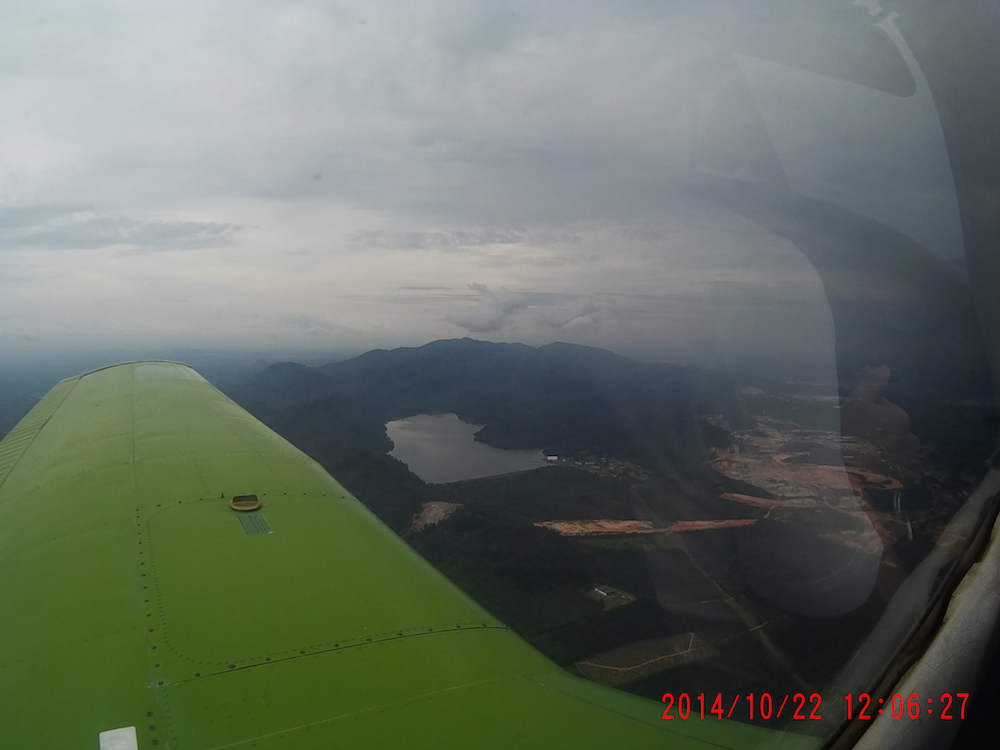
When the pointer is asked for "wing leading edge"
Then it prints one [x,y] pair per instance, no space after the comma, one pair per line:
[134,596]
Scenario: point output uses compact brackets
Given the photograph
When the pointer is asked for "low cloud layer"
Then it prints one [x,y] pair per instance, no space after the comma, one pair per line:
[492,311]
[448,241]
[584,313]
[45,228]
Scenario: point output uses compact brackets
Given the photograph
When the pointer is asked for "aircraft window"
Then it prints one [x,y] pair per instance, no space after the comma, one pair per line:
[799,232]
[723,417]
[776,217]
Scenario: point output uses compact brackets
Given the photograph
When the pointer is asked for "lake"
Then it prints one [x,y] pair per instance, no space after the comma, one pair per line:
[441,448]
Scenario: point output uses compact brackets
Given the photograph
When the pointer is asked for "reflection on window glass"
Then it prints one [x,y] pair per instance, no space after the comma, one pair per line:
[772,207]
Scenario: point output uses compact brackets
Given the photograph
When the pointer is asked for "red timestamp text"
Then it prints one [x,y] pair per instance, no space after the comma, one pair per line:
[752,706]
[913,706]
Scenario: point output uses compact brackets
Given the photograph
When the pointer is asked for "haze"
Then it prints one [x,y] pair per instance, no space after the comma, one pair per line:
[307,179]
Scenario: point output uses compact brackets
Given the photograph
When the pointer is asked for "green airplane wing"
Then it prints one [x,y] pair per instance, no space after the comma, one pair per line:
[138,609]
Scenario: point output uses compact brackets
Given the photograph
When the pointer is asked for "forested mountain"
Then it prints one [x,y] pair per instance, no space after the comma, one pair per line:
[561,398]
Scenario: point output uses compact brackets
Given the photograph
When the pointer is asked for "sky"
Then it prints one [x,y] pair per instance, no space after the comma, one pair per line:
[329,177]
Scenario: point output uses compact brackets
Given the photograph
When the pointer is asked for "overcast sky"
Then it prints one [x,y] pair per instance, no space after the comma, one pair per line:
[323,176]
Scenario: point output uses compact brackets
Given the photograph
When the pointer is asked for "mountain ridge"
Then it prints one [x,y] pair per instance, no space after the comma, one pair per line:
[561,398]
[523,394]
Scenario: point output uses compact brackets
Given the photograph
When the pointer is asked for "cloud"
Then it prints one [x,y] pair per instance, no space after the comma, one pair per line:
[491,312]
[387,153]
[585,312]
[424,288]
[447,241]
[55,229]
